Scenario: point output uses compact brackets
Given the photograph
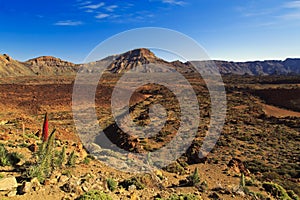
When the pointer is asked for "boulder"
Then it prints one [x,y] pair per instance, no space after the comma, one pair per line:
[8,184]
[33,185]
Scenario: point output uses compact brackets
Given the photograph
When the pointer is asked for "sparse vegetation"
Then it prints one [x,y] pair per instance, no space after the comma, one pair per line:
[86,160]
[133,181]
[181,197]
[7,158]
[111,184]
[266,145]
[276,191]
[62,157]
[94,195]
[194,179]
[175,168]
[71,159]
[45,160]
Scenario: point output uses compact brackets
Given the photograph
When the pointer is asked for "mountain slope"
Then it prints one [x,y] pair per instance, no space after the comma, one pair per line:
[143,60]
[11,67]
[48,65]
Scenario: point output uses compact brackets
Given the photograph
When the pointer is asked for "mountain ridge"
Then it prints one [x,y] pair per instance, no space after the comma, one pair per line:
[138,59]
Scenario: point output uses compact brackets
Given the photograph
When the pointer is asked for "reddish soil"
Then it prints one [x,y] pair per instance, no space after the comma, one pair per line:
[284,98]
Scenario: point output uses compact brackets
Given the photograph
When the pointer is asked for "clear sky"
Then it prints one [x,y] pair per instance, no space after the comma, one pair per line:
[236,30]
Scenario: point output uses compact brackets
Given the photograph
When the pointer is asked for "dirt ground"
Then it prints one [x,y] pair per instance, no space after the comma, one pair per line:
[24,102]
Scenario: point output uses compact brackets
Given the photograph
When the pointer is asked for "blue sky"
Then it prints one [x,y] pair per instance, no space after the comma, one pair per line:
[228,29]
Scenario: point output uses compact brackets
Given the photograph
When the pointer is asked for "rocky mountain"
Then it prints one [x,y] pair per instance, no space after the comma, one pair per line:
[269,67]
[45,65]
[140,60]
[143,60]
[11,67]
[48,65]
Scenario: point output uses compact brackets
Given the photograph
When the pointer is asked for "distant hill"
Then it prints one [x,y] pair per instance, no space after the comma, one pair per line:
[139,60]
[45,65]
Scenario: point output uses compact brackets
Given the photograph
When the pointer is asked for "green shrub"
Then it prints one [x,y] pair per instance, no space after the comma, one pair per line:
[61,157]
[193,179]
[258,195]
[86,160]
[8,159]
[133,181]
[181,197]
[45,160]
[293,195]
[175,168]
[242,182]
[94,195]
[72,159]
[276,191]
[111,184]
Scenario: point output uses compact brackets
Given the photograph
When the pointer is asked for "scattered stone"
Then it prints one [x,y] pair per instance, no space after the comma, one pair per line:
[33,185]
[238,166]
[134,197]
[85,189]
[8,184]
[12,193]
[33,147]
[63,179]
[131,188]
[214,196]
[25,188]
[38,134]
[72,186]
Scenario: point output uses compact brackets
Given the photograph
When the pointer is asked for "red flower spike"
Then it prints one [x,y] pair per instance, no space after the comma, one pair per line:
[45,128]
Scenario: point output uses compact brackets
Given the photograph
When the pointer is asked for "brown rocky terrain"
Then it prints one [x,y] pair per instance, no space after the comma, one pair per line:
[256,157]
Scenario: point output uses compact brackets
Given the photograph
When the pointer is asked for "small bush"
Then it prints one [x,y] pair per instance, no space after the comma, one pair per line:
[181,197]
[45,160]
[133,181]
[258,195]
[86,160]
[94,195]
[242,182]
[8,159]
[193,179]
[293,195]
[61,157]
[276,191]
[175,168]
[72,159]
[111,184]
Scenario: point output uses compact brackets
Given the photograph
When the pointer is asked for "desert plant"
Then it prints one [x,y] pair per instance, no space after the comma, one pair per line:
[7,159]
[45,160]
[71,159]
[276,191]
[133,181]
[111,184]
[175,168]
[242,182]
[193,179]
[94,195]
[180,197]
[61,157]
[293,195]
[86,160]
[45,133]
